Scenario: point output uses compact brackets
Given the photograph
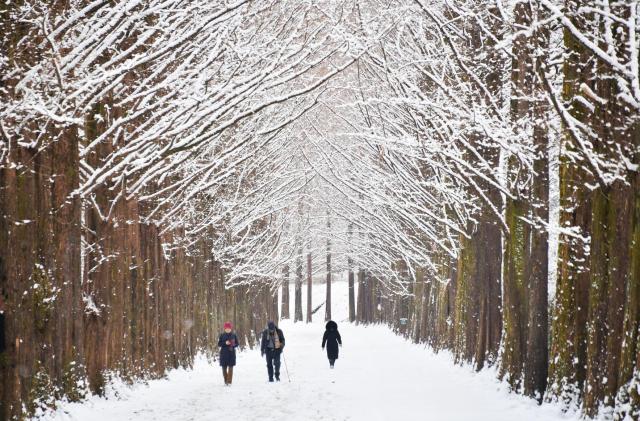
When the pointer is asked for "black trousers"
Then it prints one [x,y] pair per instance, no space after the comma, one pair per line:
[273,363]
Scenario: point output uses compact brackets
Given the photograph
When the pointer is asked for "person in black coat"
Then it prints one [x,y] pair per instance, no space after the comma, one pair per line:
[228,342]
[331,340]
[272,345]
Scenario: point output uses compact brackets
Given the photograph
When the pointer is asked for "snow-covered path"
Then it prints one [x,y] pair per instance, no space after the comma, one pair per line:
[379,376]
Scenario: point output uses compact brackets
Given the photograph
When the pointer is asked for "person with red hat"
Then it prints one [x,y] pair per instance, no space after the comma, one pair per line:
[228,342]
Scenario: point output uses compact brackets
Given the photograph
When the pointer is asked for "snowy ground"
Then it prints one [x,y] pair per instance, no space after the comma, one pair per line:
[379,376]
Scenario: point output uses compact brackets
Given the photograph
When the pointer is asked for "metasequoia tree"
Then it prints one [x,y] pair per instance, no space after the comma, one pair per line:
[527,217]
[309,288]
[327,314]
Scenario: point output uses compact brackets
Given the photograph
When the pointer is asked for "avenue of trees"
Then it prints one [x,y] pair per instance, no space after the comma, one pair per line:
[471,165]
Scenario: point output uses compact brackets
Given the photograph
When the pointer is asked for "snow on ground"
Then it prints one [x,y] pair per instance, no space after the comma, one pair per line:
[379,376]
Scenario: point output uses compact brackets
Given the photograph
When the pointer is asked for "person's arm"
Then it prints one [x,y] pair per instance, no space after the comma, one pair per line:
[263,344]
[324,339]
[339,338]
[235,341]
[281,340]
[221,341]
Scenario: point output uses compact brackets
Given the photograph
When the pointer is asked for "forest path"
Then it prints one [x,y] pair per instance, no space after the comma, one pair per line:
[379,376]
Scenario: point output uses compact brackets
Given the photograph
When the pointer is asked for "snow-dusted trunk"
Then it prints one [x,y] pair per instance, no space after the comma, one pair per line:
[629,377]
[40,259]
[284,311]
[351,277]
[476,308]
[297,316]
[39,248]
[309,289]
[537,360]
[438,315]
[297,309]
[360,309]
[272,304]
[612,226]
[352,291]
[569,329]
[477,316]
[526,244]
[327,314]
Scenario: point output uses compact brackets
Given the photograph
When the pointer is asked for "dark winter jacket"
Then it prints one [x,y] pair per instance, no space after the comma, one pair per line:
[331,339]
[228,352]
[264,343]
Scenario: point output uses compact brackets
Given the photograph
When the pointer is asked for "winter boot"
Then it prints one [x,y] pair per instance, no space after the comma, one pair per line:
[230,375]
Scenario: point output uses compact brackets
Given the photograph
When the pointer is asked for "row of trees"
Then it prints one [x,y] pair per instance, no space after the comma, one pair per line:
[127,131]
[484,171]
[521,119]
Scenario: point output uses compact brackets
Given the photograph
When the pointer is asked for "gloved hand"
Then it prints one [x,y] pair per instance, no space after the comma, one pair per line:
[261,354]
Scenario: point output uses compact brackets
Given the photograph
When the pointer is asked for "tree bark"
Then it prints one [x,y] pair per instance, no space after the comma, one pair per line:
[285,293]
[327,315]
[352,297]
[297,317]
[360,311]
[309,289]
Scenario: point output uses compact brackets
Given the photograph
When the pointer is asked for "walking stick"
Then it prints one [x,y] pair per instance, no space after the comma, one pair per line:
[286,368]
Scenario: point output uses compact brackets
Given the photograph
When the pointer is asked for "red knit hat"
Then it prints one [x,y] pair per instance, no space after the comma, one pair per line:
[227,325]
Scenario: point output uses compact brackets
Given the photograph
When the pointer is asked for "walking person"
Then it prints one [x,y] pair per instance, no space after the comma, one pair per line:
[331,340]
[272,345]
[228,342]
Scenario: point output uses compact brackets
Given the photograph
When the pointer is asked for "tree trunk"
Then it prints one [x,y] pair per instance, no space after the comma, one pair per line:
[297,317]
[537,360]
[360,312]
[309,289]
[327,315]
[612,225]
[285,293]
[352,298]
[526,244]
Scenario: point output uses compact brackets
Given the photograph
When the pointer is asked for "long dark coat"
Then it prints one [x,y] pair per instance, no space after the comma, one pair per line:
[331,339]
[228,352]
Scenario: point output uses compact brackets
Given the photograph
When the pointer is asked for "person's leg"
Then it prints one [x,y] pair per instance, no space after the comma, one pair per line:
[276,361]
[270,364]
[230,374]
[331,362]
[224,374]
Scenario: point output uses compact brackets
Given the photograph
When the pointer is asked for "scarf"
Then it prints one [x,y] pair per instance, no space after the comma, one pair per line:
[274,340]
